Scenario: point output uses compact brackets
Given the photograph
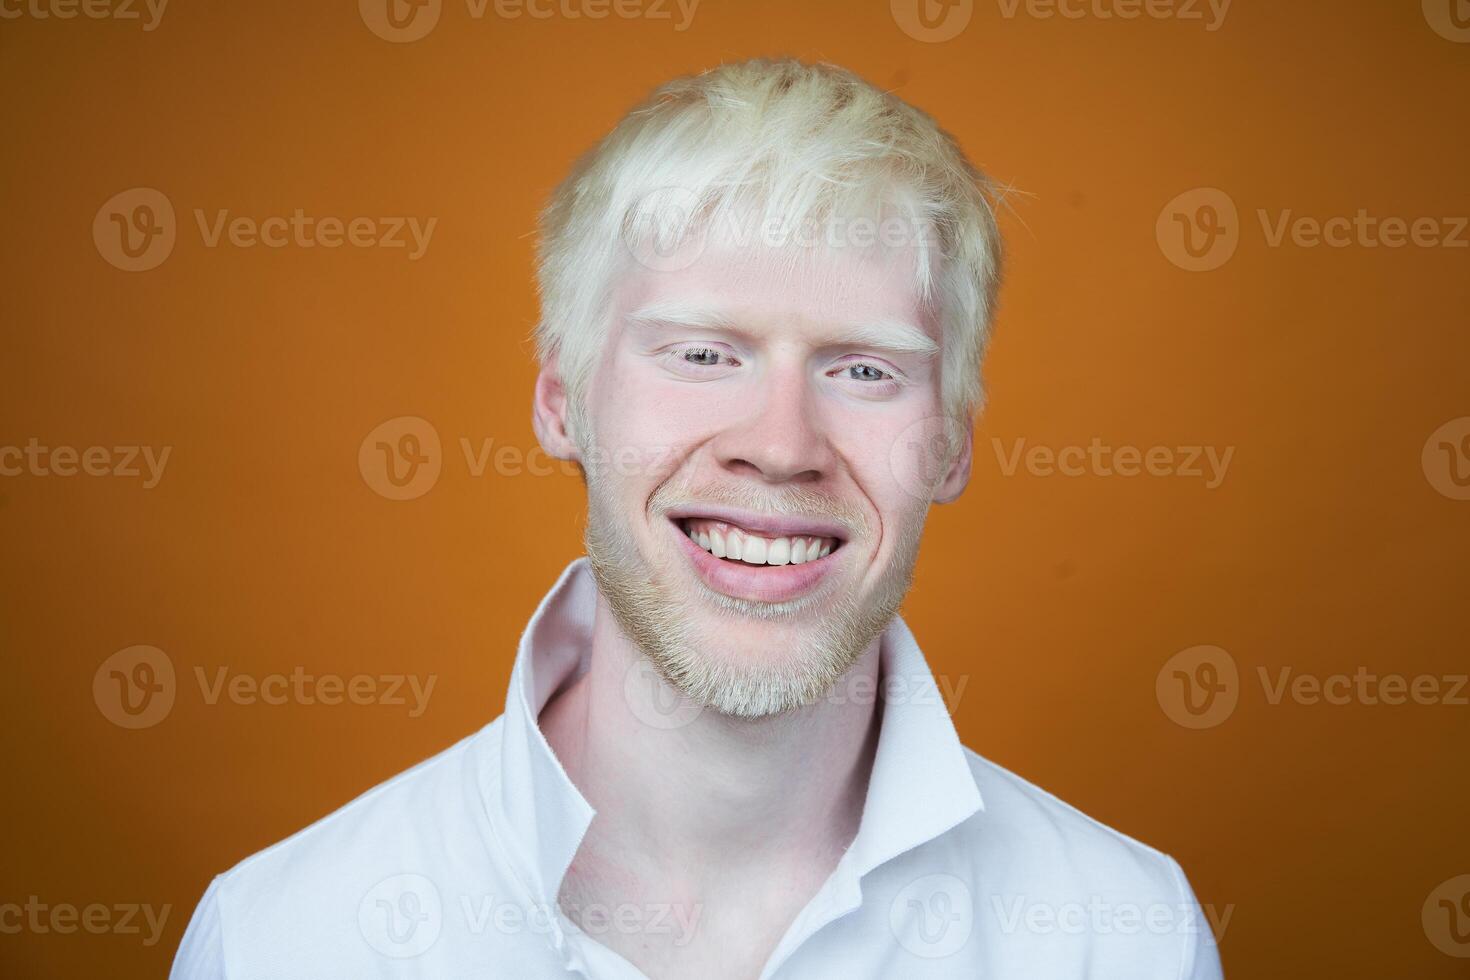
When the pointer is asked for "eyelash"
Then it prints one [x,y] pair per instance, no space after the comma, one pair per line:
[887,375]
[701,350]
[684,354]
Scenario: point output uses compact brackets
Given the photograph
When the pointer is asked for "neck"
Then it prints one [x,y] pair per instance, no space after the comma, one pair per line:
[715,793]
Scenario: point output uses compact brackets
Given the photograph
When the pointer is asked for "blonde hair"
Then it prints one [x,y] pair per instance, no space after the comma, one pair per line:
[800,142]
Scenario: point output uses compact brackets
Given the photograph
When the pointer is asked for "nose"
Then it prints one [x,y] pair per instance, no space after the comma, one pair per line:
[781,439]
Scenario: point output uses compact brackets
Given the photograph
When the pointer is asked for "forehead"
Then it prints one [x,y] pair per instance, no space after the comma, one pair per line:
[825,279]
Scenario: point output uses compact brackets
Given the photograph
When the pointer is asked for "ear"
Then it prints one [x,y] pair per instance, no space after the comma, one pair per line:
[549,414]
[958,477]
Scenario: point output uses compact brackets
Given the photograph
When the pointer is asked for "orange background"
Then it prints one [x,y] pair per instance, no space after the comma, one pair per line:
[1324,828]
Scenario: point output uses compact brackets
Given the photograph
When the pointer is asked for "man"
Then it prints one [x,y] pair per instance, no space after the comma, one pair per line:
[765,298]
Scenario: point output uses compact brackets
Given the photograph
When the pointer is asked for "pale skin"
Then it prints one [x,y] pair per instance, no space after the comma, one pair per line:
[799,374]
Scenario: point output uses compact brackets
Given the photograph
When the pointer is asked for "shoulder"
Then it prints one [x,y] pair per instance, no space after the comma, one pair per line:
[415,808]
[1031,886]
[1060,840]
[300,901]
[1046,883]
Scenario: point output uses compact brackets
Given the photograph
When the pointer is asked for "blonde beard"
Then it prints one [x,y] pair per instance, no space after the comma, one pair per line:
[663,625]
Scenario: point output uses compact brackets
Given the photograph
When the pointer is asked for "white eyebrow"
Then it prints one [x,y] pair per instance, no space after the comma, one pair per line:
[679,314]
[894,336]
[891,335]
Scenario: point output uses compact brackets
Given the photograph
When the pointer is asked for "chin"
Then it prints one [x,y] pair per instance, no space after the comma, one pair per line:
[738,657]
[734,622]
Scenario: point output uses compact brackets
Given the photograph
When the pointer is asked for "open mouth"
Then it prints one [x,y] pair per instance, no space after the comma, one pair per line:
[759,557]
[762,547]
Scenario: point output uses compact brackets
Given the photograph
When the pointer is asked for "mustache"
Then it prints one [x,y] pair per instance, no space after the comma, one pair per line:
[781,501]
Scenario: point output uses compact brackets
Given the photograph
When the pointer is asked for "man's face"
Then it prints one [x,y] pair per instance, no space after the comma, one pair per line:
[759,462]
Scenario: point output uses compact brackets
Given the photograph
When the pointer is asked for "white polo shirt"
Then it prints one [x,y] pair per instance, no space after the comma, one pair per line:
[451,869]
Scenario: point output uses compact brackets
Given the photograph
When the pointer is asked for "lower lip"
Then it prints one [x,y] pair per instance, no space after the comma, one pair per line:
[758,583]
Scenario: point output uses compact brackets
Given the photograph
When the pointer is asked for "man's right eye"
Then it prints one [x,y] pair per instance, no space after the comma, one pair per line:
[702,355]
[699,363]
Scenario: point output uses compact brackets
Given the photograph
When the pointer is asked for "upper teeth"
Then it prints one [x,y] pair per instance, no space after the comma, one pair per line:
[727,541]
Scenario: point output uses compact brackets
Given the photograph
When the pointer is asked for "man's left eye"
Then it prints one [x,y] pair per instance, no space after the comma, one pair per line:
[866,372]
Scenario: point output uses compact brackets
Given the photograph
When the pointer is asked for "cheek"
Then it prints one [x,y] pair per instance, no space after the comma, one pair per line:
[645,428]
[903,460]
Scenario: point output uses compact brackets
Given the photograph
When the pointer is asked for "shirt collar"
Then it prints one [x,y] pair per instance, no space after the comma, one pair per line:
[921,784]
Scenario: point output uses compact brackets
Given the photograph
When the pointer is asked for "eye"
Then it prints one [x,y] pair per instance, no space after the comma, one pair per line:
[699,362]
[703,356]
[866,372]
[869,379]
